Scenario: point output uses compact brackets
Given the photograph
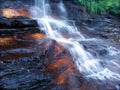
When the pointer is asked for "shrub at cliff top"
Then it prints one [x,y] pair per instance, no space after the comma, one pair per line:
[101,6]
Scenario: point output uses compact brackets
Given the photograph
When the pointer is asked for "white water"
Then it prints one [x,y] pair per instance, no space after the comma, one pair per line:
[66,33]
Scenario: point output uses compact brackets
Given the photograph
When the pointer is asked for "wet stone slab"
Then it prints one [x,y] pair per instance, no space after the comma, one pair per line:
[24,74]
[42,70]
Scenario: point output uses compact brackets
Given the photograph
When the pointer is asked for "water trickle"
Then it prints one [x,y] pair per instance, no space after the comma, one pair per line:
[66,33]
[41,5]
[62,9]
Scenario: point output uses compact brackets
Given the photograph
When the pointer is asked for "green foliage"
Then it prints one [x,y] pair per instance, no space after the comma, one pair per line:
[100,6]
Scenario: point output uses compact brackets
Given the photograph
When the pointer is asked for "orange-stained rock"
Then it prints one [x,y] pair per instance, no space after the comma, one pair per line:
[11,12]
[55,59]
[59,64]
[18,37]
[5,40]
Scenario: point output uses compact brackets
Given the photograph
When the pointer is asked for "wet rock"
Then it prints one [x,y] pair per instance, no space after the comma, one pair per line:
[18,25]
[12,32]
[34,71]
[34,63]
[76,80]
[17,22]
[97,48]
[104,27]
[14,3]
[75,10]
[55,1]
[23,74]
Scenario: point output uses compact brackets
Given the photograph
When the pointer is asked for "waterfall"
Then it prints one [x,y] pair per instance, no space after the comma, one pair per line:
[40,4]
[66,33]
[62,9]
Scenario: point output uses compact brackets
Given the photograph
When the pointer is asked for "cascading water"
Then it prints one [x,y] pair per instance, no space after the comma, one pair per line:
[41,7]
[62,9]
[66,33]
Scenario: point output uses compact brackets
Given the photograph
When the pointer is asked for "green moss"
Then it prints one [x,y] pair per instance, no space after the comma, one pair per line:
[100,6]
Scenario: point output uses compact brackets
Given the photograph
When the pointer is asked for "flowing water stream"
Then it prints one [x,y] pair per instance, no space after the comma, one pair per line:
[66,33]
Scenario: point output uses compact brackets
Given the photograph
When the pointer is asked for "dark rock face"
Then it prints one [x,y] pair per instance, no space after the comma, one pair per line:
[75,10]
[105,27]
[17,22]
[22,55]
[24,73]
[15,3]
[18,25]
[49,67]
[30,61]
